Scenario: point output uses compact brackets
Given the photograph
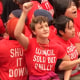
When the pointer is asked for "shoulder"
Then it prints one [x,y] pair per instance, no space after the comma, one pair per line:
[32,41]
[55,44]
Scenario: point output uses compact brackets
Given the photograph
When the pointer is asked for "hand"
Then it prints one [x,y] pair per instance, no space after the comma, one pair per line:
[27,7]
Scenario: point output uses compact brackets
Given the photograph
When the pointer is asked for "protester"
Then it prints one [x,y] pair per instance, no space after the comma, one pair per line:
[42,12]
[12,61]
[40,58]
[66,31]
[69,9]
[37,4]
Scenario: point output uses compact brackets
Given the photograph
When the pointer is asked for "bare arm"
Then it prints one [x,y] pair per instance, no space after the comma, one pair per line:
[23,40]
[67,74]
[63,63]
[66,65]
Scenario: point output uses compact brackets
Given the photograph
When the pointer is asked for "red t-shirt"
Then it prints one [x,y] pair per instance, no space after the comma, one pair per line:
[69,48]
[47,6]
[12,61]
[28,32]
[41,58]
[53,32]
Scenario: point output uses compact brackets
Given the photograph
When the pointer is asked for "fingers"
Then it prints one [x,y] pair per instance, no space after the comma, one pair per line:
[28,5]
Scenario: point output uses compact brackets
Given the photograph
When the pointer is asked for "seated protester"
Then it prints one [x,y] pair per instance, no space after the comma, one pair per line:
[69,9]
[12,60]
[66,31]
[40,58]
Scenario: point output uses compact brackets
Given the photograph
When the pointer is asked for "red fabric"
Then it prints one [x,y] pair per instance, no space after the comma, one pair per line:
[41,60]
[49,76]
[53,32]
[69,48]
[28,32]
[2,28]
[12,62]
[47,6]
[1,8]
[77,38]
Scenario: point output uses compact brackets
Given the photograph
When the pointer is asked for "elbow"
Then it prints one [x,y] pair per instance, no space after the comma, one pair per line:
[61,67]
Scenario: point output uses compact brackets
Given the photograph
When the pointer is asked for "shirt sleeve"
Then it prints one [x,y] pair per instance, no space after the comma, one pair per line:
[60,52]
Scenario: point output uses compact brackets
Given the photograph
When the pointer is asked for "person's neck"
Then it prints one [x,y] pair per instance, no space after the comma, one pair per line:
[43,40]
[63,38]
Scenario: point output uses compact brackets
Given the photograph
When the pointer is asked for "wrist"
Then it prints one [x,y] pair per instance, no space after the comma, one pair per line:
[24,14]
